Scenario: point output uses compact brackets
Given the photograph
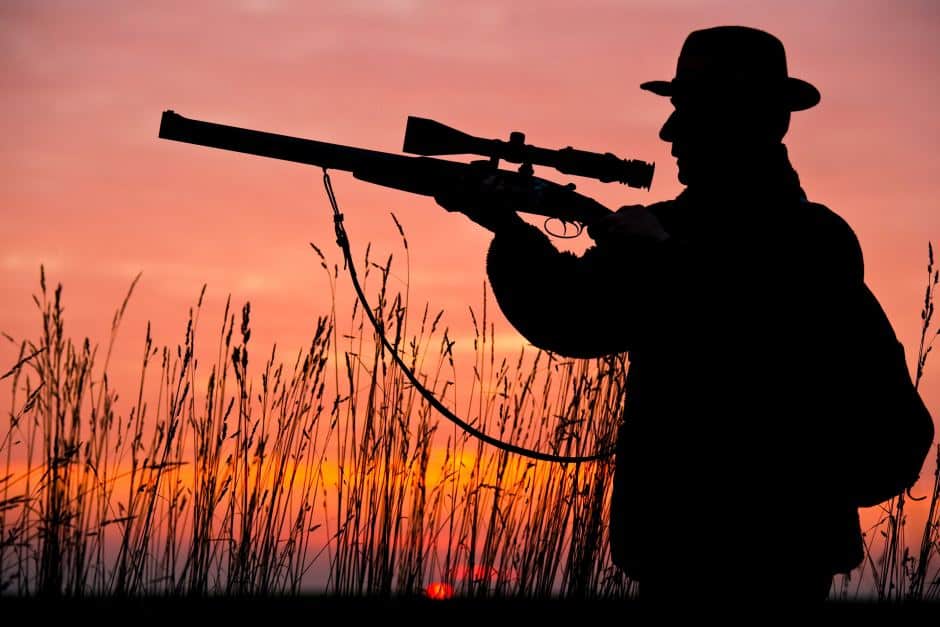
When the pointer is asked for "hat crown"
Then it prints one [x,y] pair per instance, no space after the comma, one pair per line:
[732,52]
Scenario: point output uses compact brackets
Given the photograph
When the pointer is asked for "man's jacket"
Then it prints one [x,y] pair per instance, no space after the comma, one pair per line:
[729,450]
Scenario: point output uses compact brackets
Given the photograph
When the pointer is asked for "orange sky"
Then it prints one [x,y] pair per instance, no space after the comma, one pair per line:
[90,191]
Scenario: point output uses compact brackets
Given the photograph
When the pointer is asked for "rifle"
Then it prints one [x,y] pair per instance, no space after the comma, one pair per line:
[431,177]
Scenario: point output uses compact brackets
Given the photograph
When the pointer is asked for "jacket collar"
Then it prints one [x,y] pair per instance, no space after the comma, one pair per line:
[749,199]
[761,179]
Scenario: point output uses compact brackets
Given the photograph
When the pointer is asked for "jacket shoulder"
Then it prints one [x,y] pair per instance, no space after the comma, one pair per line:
[832,236]
[823,217]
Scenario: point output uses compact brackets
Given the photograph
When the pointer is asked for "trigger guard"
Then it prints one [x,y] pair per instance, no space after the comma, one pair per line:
[579,228]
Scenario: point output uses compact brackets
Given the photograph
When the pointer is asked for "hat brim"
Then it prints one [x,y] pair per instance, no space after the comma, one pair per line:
[798,94]
[660,88]
[801,95]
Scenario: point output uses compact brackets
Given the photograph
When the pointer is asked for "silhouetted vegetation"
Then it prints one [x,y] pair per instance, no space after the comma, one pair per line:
[251,480]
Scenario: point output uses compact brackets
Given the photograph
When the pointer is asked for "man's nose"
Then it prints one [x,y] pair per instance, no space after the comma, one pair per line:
[668,132]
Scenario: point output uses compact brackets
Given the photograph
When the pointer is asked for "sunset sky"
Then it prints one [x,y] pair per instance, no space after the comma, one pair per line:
[90,192]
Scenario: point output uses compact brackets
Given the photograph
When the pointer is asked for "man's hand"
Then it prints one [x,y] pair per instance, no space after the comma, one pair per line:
[484,198]
[628,222]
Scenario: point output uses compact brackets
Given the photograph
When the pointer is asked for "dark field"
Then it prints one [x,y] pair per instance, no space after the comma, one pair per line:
[421,611]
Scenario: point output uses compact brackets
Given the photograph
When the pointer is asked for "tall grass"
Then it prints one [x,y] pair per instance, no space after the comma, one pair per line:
[906,570]
[252,480]
[328,472]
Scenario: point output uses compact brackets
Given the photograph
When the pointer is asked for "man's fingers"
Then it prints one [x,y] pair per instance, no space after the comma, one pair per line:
[600,228]
[483,197]
[613,223]
[630,221]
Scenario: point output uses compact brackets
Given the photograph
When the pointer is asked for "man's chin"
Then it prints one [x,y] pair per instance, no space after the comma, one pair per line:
[692,174]
[683,177]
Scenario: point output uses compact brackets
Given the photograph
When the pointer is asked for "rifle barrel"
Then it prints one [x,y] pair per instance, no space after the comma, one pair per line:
[323,154]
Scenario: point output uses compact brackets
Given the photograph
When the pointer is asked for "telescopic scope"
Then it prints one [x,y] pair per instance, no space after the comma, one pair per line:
[429,137]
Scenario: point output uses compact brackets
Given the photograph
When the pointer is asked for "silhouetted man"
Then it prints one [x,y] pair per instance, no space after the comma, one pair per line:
[728,299]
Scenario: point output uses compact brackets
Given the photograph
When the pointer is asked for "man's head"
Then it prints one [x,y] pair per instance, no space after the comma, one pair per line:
[732,99]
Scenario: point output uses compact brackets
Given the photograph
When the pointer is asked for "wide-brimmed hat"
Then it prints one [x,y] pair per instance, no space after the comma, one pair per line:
[736,60]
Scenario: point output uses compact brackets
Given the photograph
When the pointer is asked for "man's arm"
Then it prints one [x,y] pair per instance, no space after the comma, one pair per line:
[587,306]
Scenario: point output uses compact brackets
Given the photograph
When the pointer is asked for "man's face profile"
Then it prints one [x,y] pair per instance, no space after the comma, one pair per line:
[711,131]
